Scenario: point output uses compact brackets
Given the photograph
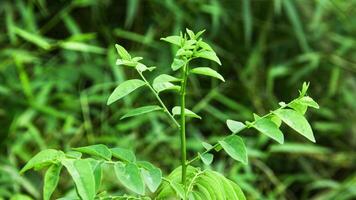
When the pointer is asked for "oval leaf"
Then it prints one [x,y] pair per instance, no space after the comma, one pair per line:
[207,72]
[177,64]
[235,147]
[141,111]
[176,111]
[308,101]
[51,180]
[269,128]
[43,159]
[123,154]
[296,121]
[129,176]
[210,55]
[235,126]
[83,177]
[98,150]
[122,52]
[173,39]
[207,158]
[124,89]
[151,175]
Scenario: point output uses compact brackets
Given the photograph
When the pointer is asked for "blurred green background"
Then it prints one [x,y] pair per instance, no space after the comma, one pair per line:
[57,68]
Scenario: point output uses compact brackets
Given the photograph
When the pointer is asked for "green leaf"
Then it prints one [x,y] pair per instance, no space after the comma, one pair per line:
[299,107]
[35,39]
[235,147]
[97,171]
[141,111]
[123,154]
[173,40]
[177,64]
[205,46]
[98,150]
[83,177]
[43,159]
[162,82]
[206,145]
[296,121]
[210,55]
[151,175]
[124,89]
[122,52]
[207,72]
[235,126]
[51,180]
[207,158]
[270,129]
[190,33]
[82,47]
[188,113]
[129,176]
[128,63]
[178,188]
[308,101]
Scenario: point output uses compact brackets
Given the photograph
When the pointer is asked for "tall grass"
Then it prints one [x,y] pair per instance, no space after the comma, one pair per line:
[57,67]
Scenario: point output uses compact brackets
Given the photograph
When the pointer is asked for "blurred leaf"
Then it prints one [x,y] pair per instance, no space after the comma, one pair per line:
[33,38]
[235,126]
[43,159]
[98,150]
[207,72]
[176,110]
[51,180]
[141,111]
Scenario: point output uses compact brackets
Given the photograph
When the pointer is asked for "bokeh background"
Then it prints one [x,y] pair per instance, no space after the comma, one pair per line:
[57,69]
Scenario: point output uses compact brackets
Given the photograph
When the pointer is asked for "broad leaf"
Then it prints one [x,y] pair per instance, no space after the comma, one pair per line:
[126,63]
[205,46]
[122,52]
[296,121]
[173,40]
[83,177]
[210,55]
[207,158]
[177,64]
[43,159]
[124,89]
[235,147]
[308,101]
[176,111]
[207,146]
[235,126]
[270,129]
[51,180]
[98,150]
[151,175]
[207,72]
[299,107]
[97,171]
[141,111]
[123,154]
[129,176]
[162,82]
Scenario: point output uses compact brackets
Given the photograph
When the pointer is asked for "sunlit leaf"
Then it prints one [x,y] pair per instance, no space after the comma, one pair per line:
[122,52]
[235,126]
[188,113]
[98,150]
[173,40]
[124,89]
[207,158]
[210,55]
[177,64]
[141,111]
[297,122]
[207,72]
[51,180]
[270,129]
[129,176]
[123,154]
[235,147]
[43,159]
[151,175]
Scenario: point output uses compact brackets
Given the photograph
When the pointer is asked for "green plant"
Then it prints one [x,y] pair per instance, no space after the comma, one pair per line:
[186,181]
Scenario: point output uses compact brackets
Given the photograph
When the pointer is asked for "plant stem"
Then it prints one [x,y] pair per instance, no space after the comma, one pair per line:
[165,109]
[182,123]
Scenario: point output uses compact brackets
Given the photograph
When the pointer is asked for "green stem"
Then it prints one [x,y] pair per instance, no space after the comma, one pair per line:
[182,124]
[248,125]
[165,109]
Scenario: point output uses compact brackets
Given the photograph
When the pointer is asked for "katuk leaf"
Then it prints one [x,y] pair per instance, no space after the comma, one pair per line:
[122,52]
[235,126]
[177,64]
[210,55]
[152,175]
[123,154]
[129,176]
[83,177]
[98,150]
[270,129]
[51,180]
[308,101]
[207,72]
[141,111]
[188,113]
[296,121]
[235,147]
[124,89]
[207,158]
[43,159]
[173,40]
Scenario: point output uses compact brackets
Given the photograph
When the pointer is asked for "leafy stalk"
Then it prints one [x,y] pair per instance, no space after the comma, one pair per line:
[182,122]
[165,109]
